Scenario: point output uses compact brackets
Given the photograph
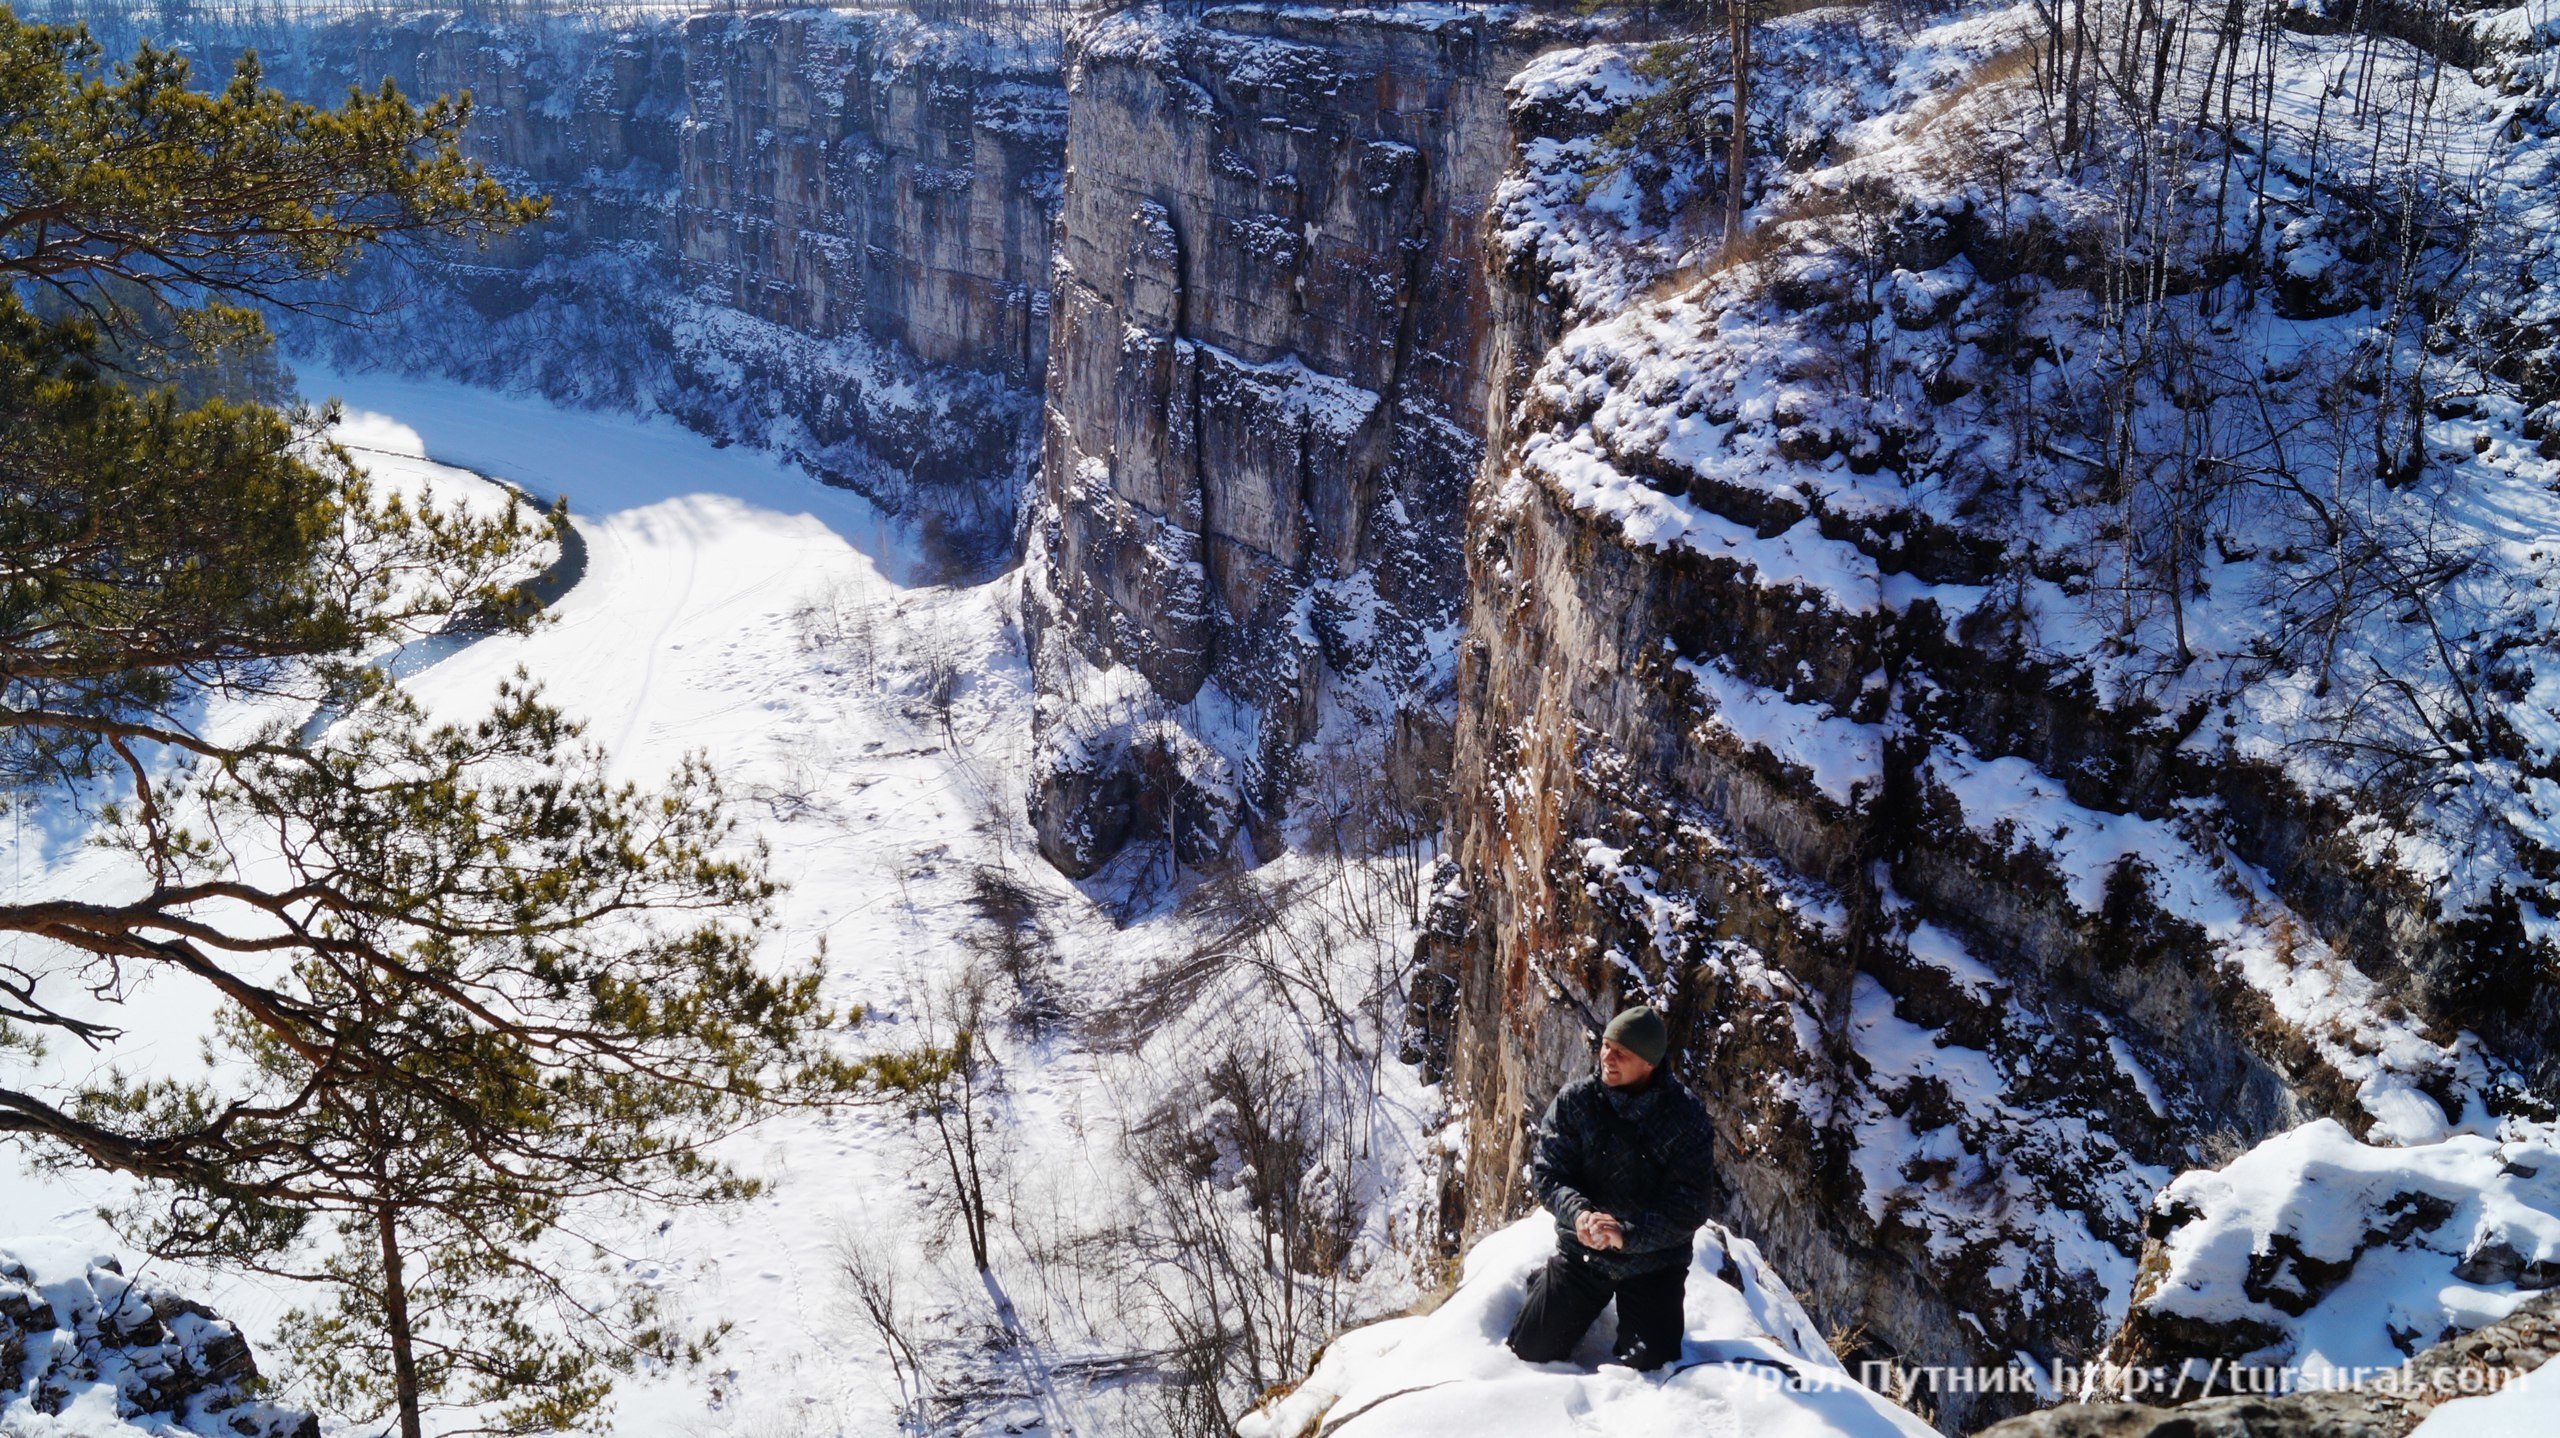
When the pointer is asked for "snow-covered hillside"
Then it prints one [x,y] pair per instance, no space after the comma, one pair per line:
[872,729]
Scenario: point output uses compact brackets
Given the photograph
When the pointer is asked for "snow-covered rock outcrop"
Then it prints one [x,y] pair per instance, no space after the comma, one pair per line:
[2494,1382]
[2007,833]
[1752,1364]
[86,1352]
[2316,1254]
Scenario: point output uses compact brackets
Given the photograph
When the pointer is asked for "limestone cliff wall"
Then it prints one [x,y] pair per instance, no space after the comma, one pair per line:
[1363,502]
[1265,404]
[1966,958]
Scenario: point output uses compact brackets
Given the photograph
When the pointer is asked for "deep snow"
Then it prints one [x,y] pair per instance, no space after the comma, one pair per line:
[730,604]
[1752,1365]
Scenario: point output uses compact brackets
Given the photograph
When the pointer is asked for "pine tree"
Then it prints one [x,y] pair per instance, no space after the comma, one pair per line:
[469,993]
[1699,105]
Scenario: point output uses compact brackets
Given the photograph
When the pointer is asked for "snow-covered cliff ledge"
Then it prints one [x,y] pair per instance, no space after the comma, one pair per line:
[1752,1363]
[2315,1255]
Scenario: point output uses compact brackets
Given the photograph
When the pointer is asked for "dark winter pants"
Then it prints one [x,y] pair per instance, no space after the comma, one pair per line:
[1567,1294]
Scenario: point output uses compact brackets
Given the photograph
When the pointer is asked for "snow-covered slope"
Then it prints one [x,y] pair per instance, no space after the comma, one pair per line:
[871,725]
[1752,1365]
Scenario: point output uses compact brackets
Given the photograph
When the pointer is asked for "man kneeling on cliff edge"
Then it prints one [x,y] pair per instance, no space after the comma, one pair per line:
[1622,1162]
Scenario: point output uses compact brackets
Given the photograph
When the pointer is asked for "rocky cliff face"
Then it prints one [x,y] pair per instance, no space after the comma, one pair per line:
[831,233]
[1265,403]
[823,232]
[1776,708]
[1764,622]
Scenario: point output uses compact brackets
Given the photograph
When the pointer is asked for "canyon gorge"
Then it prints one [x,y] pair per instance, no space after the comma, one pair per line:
[1391,451]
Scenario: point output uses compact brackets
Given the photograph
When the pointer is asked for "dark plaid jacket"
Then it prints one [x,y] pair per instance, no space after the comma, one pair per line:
[1643,1158]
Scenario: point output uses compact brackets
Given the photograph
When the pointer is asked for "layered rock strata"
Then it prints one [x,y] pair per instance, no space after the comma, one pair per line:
[1967,954]
[1265,403]
[1766,709]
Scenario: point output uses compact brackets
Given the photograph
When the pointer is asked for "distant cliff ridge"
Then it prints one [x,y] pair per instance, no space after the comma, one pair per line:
[854,236]
[822,232]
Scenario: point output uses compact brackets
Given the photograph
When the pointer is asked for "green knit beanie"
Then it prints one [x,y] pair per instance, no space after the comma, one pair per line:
[1640,1032]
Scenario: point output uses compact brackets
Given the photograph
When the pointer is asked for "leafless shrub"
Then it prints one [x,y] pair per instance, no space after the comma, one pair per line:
[800,792]
[1009,936]
[1250,1142]
[1248,1295]
[1240,911]
[868,1295]
[841,623]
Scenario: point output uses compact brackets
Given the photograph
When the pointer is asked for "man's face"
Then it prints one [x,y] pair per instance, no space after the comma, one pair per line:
[1620,1068]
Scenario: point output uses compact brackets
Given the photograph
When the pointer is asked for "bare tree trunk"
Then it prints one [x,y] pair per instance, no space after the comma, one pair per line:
[395,1312]
[1738,143]
[2072,99]
[979,1221]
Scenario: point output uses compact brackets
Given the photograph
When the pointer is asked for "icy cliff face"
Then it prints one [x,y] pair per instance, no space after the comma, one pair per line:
[1822,683]
[1265,406]
[825,233]
[86,1352]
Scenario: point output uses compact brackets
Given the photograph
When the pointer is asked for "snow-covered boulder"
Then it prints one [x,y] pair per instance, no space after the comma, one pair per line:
[1752,1363]
[2499,1382]
[86,1352]
[2314,1252]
